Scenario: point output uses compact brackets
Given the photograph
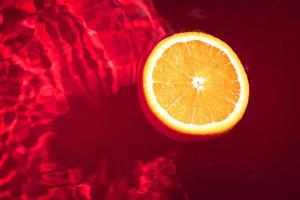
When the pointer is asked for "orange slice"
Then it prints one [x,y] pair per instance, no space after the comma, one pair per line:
[195,84]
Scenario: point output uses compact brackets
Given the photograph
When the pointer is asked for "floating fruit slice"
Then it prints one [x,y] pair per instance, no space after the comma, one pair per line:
[193,84]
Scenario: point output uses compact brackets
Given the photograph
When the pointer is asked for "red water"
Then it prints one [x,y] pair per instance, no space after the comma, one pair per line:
[59,61]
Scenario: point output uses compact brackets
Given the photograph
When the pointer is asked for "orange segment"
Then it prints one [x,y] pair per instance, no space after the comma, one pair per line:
[195,84]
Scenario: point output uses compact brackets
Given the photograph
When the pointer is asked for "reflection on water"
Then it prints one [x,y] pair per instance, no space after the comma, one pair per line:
[67,132]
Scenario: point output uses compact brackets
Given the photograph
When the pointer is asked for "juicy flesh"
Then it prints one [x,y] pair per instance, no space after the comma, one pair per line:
[195,83]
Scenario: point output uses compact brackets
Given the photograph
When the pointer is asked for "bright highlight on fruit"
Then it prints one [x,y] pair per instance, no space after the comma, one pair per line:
[194,85]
